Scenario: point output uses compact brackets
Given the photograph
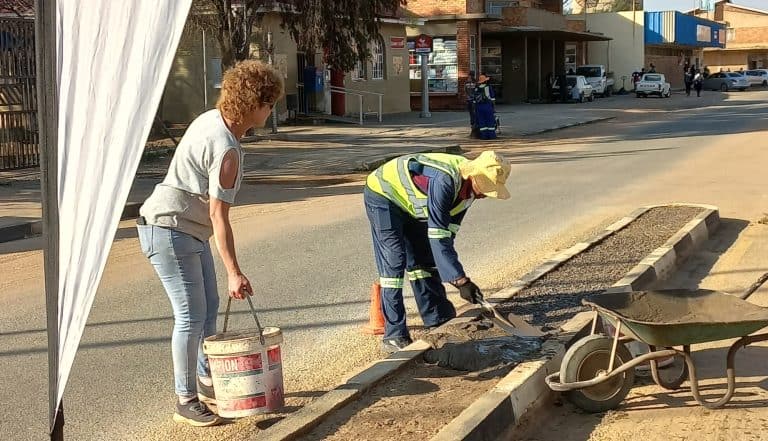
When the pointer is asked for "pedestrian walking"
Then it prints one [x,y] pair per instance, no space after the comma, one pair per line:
[485,109]
[186,209]
[688,79]
[415,205]
[698,82]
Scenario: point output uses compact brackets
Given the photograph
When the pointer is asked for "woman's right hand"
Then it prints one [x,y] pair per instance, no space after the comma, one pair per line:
[239,286]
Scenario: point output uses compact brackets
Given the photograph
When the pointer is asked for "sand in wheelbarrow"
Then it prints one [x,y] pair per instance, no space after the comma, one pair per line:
[682,306]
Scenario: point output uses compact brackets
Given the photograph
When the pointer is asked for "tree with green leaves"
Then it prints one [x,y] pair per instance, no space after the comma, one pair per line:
[341,29]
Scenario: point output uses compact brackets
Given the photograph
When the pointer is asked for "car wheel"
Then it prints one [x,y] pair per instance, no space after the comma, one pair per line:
[609,91]
[724,87]
[765,83]
[639,96]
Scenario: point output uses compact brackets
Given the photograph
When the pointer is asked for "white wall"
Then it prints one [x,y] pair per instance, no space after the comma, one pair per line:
[626,52]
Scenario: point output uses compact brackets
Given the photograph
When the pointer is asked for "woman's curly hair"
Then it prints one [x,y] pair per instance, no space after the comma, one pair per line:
[246,86]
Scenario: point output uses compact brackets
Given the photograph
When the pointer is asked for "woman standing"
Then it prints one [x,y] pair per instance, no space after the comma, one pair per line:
[186,209]
[485,115]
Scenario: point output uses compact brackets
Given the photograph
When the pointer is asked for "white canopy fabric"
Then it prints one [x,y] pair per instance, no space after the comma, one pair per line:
[113,58]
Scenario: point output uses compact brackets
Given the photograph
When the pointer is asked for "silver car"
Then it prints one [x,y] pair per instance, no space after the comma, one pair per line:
[726,81]
[757,77]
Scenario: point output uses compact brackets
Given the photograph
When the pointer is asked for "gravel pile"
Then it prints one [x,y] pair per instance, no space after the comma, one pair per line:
[553,299]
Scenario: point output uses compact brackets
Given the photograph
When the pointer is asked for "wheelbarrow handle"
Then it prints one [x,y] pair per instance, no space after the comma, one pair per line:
[753,287]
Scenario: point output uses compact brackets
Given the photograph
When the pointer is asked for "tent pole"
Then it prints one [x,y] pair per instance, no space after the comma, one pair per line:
[47,115]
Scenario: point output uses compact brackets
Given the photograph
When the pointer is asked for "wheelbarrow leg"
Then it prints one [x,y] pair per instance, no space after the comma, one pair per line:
[730,373]
[670,383]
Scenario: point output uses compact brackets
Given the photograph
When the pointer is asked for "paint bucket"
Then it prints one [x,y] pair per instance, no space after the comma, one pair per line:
[246,368]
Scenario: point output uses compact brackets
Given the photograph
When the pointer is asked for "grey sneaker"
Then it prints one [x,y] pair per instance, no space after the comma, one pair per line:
[205,392]
[392,345]
[195,413]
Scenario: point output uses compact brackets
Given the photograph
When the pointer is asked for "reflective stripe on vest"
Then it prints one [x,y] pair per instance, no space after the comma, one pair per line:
[393,181]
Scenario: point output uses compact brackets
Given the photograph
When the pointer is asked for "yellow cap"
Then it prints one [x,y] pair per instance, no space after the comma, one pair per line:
[489,171]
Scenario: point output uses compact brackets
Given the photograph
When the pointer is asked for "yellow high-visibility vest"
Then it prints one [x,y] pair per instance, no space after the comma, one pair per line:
[393,181]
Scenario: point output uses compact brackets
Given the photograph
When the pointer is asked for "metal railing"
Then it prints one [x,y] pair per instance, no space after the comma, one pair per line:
[360,94]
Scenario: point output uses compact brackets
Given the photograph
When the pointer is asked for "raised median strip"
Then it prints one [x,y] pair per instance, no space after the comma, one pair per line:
[502,406]
[500,410]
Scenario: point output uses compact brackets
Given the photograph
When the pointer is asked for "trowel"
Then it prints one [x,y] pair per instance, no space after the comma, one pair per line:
[512,324]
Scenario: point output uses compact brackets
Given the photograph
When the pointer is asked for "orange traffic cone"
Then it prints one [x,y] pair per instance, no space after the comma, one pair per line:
[375,324]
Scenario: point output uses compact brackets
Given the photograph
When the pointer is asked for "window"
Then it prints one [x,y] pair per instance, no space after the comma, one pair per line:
[360,72]
[473,55]
[443,66]
[730,34]
[377,58]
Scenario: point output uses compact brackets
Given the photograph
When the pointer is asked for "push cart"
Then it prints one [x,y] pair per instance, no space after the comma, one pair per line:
[598,370]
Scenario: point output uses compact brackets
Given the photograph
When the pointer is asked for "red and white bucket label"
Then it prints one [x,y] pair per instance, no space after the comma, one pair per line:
[244,386]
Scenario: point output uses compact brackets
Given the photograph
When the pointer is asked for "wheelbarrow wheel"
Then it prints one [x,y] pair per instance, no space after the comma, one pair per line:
[585,360]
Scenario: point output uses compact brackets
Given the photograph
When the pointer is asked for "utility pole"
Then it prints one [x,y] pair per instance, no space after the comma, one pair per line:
[271,60]
[47,117]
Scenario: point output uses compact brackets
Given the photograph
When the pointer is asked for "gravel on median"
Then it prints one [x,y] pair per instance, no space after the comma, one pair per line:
[556,297]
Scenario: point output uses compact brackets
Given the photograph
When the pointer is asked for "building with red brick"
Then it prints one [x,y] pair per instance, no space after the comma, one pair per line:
[746,37]
[518,43]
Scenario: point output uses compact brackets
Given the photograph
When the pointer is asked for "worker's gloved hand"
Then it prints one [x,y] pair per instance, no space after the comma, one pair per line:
[470,292]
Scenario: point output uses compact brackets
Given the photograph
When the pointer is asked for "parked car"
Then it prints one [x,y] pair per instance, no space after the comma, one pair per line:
[726,81]
[757,77]
[583,90]
[598,78]
[653,84]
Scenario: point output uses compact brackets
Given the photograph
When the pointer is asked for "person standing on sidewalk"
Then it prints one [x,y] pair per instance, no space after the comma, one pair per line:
[688,79]
[485,112]
[186,209]
[415,205]
[698,82]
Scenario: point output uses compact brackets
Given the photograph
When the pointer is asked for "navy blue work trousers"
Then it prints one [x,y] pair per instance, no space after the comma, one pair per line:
[400,245]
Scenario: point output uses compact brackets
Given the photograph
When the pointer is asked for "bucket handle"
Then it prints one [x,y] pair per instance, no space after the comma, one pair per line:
[255,317]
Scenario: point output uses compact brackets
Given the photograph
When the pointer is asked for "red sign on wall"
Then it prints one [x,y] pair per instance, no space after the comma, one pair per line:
[397,42]
[423,44]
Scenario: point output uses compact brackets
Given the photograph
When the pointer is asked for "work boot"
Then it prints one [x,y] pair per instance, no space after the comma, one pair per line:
[195,413]
[392,345]
[205,392]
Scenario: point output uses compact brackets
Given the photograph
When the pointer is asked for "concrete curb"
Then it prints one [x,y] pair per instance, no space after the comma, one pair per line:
[567,126]
[499,410]
[307,418]
[373,164]
[35,228]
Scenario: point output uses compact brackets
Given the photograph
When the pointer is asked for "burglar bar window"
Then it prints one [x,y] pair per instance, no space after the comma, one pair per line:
[359,72]
[377,56]
[473,55]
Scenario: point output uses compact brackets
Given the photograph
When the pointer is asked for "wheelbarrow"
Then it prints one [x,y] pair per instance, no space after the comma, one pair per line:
[598,370]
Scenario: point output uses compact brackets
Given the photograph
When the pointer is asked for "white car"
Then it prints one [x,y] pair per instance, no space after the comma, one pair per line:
[653,84]
[579,89]
[757,77]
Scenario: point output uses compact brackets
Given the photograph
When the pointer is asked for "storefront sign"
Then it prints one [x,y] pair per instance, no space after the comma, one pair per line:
[397,42]
[423,44]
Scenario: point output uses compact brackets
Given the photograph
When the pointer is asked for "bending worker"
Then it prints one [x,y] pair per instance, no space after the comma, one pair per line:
[415,204]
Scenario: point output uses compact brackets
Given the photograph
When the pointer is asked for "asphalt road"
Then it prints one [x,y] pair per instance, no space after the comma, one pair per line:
[311,265]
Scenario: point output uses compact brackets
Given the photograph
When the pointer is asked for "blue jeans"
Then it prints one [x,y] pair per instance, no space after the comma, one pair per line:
[400,245]
[185,266]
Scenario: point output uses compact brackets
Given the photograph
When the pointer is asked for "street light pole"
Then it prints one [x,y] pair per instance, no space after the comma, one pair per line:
[425,87]
[271,60]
